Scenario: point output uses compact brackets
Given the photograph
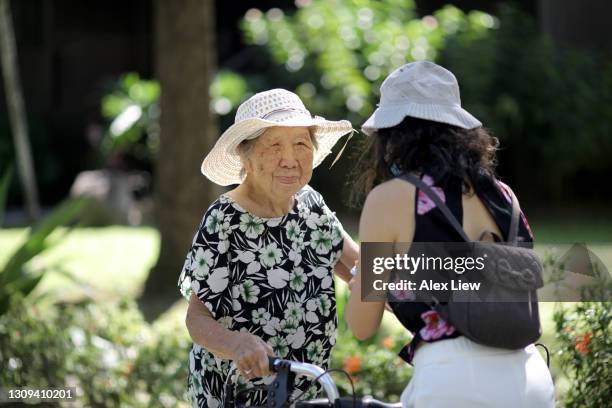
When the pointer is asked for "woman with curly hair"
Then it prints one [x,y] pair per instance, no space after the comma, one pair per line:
[421,130]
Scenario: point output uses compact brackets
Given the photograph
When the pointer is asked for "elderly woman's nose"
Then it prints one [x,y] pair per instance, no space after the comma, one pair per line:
[288,158]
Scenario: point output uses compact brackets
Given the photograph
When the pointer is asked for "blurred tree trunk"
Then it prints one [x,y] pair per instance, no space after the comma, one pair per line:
[16,109]
[185,59]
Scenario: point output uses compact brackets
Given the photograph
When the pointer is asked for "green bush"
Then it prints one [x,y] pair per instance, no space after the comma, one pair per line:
[337,53]
[115,358]
[584,334]
[32,348]
[545,102]
[374,365]
[132,109]
[107,351]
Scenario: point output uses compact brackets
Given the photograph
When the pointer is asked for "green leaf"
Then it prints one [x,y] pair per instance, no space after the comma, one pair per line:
[26,283]
[37,241]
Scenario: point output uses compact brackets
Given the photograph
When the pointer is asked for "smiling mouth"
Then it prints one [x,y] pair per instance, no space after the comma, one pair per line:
[288,179]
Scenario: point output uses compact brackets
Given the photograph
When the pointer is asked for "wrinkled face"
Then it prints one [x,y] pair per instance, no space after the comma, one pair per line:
[279,162]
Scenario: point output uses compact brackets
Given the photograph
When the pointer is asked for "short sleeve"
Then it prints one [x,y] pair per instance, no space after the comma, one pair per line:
[336,227]
[328,220]
[205,271]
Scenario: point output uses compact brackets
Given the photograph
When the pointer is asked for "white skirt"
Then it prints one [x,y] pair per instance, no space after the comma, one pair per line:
[459,373]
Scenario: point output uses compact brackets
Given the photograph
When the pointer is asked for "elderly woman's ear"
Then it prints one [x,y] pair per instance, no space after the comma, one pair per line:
[244,150]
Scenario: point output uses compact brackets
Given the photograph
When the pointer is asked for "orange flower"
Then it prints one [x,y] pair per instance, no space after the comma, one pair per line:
[387,343]
[582,343]
[352,364]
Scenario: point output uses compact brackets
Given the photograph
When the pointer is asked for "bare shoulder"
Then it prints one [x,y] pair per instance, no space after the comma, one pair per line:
[391,195]
[386,215]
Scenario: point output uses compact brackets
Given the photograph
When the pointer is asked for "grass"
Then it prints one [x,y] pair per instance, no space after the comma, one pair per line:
[113,262]
[572,230]
[110,262]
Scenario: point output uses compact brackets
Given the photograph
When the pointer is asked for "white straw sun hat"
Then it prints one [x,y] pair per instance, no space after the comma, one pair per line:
[277,107]
[422,90]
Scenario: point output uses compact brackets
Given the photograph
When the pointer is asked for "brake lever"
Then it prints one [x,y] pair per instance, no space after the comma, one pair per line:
[281,388]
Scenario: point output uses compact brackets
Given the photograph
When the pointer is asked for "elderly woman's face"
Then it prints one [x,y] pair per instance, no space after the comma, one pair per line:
[280,161]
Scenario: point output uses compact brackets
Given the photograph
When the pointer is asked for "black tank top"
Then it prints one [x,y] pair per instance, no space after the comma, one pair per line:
[432,226]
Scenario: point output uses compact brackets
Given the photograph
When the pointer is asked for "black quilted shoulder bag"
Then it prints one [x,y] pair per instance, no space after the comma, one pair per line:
[508,316]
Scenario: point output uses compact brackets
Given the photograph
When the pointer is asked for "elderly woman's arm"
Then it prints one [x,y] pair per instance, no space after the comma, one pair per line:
[248,351]
[350,254]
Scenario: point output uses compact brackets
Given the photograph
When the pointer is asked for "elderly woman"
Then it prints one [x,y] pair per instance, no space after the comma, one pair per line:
[259,273]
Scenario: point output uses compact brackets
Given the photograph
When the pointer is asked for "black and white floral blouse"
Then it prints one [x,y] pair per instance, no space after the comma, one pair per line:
[271,277]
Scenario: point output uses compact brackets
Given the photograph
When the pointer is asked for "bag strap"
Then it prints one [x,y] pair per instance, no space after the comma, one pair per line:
[421,185]
[514,221]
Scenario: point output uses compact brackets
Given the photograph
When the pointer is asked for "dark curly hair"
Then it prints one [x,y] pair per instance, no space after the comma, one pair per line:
[416,145]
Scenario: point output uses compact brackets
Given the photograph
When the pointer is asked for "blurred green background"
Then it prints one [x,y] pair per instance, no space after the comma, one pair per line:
[124,98]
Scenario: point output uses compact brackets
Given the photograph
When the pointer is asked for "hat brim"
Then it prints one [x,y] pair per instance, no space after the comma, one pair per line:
[386,117]
[222,164]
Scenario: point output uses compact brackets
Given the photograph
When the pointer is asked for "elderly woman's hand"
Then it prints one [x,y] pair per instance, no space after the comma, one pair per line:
[251,355]
[249,352]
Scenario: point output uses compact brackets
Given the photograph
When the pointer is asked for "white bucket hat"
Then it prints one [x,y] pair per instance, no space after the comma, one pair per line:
[277,107]
[422,90]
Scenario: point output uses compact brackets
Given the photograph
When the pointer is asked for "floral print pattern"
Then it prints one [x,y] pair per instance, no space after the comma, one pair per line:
[424,203]
[269,277]
[435,326]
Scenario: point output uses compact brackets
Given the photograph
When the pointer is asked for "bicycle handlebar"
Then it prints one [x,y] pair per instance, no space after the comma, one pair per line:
[308,370]
[278,390]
